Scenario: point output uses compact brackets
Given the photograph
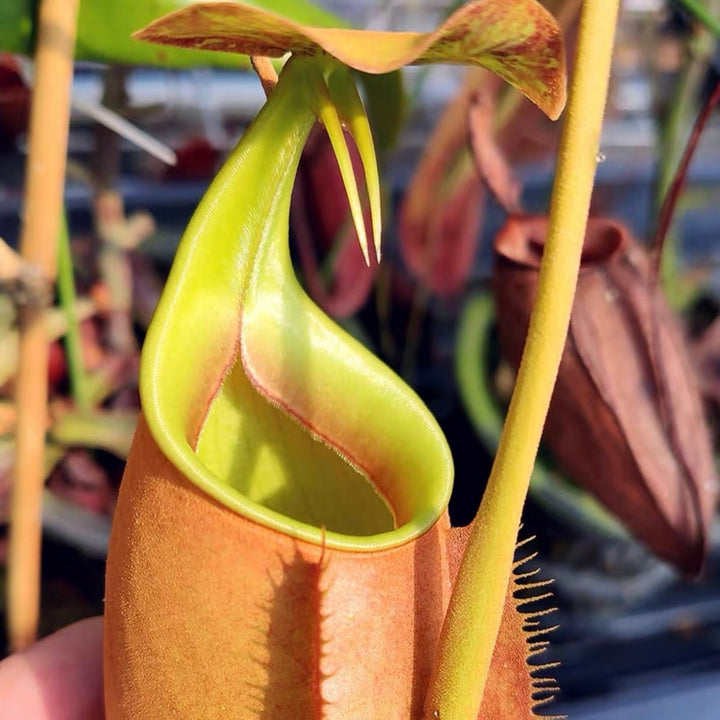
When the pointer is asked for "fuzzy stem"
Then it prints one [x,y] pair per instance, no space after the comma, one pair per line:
[44,176]
[473,618]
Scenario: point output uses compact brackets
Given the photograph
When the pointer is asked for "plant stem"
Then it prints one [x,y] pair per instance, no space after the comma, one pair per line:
[476,605]
[701,13]
[677,182]
[674,130]
[698,50]
[68,302]
[45,171]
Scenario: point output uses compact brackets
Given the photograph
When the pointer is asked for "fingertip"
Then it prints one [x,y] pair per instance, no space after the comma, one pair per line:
[57,678]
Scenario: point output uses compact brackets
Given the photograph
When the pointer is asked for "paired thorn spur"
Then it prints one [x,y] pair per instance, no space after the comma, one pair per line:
[337,105]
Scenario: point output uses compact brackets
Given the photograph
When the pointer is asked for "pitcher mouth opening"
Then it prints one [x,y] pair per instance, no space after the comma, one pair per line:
[256,396]
[314,492]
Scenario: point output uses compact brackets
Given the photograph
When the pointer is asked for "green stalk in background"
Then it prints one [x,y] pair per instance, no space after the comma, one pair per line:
[703,14]
[473,618]
[676,124]
[698,51]
[68,302]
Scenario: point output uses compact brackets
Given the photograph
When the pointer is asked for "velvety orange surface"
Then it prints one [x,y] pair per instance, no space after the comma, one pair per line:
[210,615]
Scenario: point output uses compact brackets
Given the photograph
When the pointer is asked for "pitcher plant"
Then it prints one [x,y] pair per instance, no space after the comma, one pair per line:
[281,545]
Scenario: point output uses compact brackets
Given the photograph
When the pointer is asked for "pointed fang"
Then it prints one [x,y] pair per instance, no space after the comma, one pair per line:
[327,113]
[344,94]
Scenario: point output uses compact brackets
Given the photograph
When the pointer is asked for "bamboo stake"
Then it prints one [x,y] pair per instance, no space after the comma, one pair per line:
[473,618]
[44,178]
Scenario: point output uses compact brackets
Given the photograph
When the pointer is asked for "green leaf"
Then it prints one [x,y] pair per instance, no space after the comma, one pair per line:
[124,17]
[105,28]
[16,25]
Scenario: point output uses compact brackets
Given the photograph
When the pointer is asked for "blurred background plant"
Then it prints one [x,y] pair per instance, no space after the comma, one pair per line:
[143,146]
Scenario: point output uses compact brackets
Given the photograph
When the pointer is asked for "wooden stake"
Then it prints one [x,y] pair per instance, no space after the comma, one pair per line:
[44,179]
